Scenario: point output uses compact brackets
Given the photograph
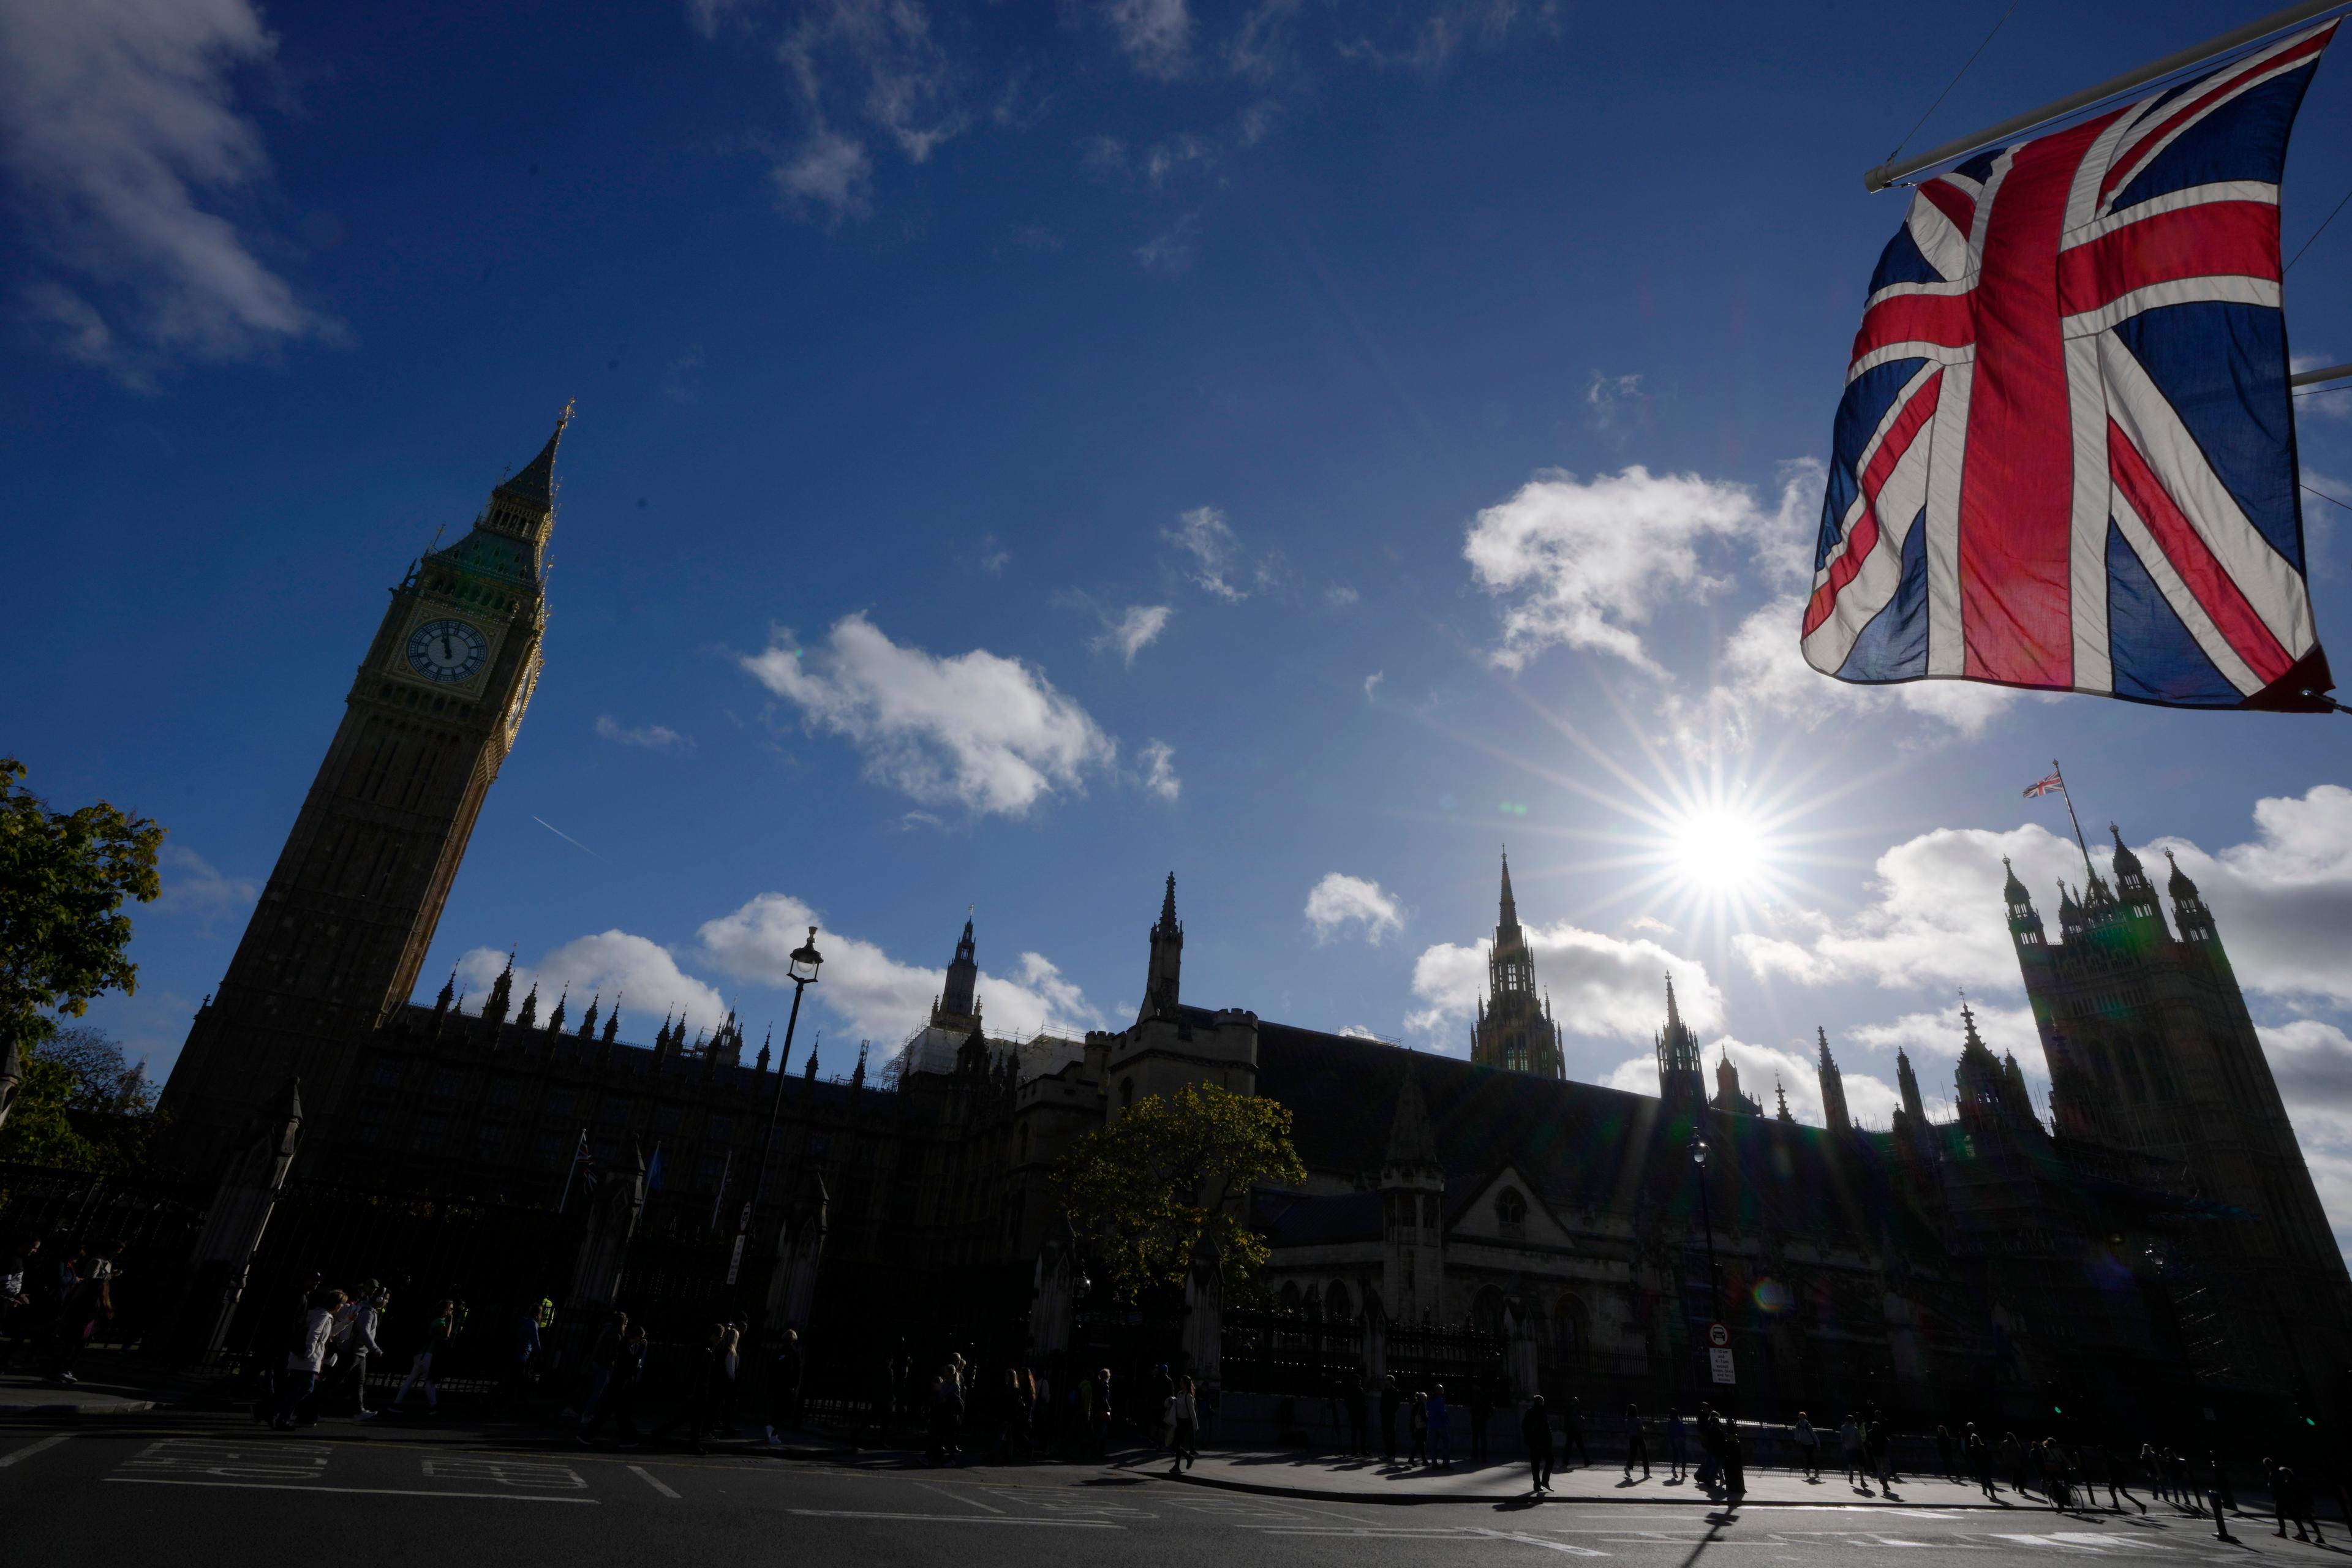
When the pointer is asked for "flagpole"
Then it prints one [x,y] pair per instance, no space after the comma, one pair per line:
[573,1169]
[2068,796]
[1887,174]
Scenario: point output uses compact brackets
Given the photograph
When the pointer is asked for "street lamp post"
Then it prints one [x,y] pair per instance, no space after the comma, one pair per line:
[1706,1220]
[801,970]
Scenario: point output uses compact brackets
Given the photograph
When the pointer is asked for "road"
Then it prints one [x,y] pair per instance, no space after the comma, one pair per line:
[199,1493]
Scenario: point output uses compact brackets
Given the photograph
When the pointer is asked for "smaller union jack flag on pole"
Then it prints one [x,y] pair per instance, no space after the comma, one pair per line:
[2065,455]
[2053,784]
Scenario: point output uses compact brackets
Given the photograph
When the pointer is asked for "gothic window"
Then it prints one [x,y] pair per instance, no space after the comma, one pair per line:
[1310,1300]
[1511,1214]
[1126,1093]
[1572,1328]
[1337,1305]
[1486,1311]
[384,1075]
[446,1084]
[1429,1210]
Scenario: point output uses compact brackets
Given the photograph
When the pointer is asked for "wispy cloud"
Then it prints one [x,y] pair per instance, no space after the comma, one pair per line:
[1134,629]
[119,120]
[1159,759]
[650,737]
[1340,903]
[193,887]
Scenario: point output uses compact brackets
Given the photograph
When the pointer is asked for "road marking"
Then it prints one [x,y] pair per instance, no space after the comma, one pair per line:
[509,1473]
[955,1517]
[29,1449]
[958,1497]
[314,1487]
[1539,1540]
[647,1477]
[232,1461]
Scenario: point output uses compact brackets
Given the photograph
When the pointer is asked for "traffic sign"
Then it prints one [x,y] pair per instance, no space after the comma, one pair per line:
[1718,1336]
[1719,1360]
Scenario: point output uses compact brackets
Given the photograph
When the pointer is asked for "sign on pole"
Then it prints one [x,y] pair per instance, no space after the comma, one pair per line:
[1718,1336]
[1720,1359]
[735,1264]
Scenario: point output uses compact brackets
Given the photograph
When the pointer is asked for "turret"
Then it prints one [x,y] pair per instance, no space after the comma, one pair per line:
[960,998]
[2024,921]
[555,1019]
[528,1019]
[588,1019]
[1781,1094]
[1682,1082]
[1834,1115]
[1161,985]
[494,1011]
[2188,910]
[1412,1212]
[1906,1083]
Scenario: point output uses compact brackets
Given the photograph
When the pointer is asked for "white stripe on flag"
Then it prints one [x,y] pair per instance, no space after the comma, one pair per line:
[1947,448]
[2086,542]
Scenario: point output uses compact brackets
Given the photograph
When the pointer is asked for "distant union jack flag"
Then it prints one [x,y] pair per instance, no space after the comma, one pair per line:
[2065,455]
[2051,784]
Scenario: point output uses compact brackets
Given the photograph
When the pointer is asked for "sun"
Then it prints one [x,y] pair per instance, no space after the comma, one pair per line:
[1719,848]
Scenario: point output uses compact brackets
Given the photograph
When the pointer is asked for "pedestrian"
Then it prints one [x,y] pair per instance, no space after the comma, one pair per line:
[1535,1430]
[1440,1429]
[522,1356]
[731,1377]
[1163,1392]
[1850,1446]
[1735,1462]
[356,1328]
[1808,1446]
[1677,1446]
[1390,1397]
[1710,1448]
[1187,1413]
[1571,1432]
[1978,1453]
[1878,1446]
[1417,1423]
[619,1403]
[2215,1488]
[80,1309]
[1103,1392]
[1359,1426]
[420,1366]
[2120,1477]
[18,1275]
[308,1358]
[1637,1444]
[2283,1509]
[1482,1409]
[784,1372]
[947,1418]
[2012,1459]
[597,1375]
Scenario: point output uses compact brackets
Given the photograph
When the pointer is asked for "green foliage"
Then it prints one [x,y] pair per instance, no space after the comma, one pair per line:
[63,935]
[80,1107]
[1172,1172]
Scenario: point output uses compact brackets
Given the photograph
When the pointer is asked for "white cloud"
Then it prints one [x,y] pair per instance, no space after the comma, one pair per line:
[1438,33]
[1764,1072]
[1172,249]
[117,117]
[827,170]
[1159,759]
[1339,596]
[1937,1037]
[1339,901]
[651,737]
[194,886]
[1372,684]
[1136,628]
[2313,1064]
[1220,566]
[978,728]
[1600,986]
[1157,34]
[2280,900]
[877,997]
[1582,562]
[1611,398]
[642,976]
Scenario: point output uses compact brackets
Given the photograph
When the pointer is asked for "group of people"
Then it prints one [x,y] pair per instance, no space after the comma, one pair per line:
[326,1342]
[52,1301]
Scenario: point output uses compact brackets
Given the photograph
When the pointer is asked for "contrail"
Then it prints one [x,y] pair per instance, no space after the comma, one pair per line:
[567,837]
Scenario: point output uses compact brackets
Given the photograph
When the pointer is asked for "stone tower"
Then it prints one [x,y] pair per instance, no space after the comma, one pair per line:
[1515,1028]
[2150,1033]
[1835,1114]
[958,999]
[1412,1213]
[1682,1079]
[1161,982]
[335,943]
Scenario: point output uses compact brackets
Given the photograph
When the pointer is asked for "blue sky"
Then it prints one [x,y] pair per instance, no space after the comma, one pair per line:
[1022,451]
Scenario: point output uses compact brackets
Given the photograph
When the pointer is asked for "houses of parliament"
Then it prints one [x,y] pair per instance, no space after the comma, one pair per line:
[2154,1237]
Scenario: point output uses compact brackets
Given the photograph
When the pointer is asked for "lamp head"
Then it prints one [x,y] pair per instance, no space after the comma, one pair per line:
[805,960]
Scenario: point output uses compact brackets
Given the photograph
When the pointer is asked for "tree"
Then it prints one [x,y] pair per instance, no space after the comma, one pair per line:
[1172,1172]
[81,1107]
[63,935]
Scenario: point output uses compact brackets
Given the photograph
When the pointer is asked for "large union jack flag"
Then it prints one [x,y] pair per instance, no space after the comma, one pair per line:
[2065,457]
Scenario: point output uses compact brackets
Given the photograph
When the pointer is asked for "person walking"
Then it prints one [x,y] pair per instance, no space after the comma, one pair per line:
[1850,1446]
[23,1298]
[947,1418]
[1877,1450]
[1535,1431]
[80,1309]
[1188,1416]
[1710,1448]
[1417,1424]
[308,1358]
[1677,1446]
[1571,1432]
[785,1369]
[1390,1397]
[618,1401]
[730,1378]
[597,1375]
[2012,1459]
[356,1343]
[1977,1454]
[1103,1392]
[1637,1444]
[1735,1462]
[1808,1446]
[420,1365]
[2121,1475]
[2053,1474]
[1440,1429]
[522,1356]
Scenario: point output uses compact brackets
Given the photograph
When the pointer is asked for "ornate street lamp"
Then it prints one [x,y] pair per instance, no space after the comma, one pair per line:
[801,969]
[1706,1219]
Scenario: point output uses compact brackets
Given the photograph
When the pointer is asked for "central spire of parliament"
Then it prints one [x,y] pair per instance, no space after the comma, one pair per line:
[1515,1028]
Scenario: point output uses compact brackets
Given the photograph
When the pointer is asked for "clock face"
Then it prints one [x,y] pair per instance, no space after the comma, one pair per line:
[447,651]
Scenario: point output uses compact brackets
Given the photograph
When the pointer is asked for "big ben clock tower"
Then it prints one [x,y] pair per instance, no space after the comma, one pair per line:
[334,945]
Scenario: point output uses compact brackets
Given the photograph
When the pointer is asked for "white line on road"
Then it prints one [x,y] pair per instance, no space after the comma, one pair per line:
[29,1449]
[955,1517]
[1539,1540]
[647,1477]
[315,1487]
[957,1497]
